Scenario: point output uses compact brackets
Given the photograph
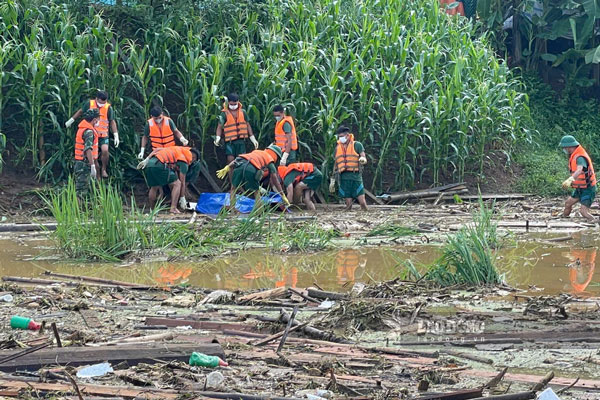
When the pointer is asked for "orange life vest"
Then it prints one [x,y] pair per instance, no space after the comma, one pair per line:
[185,154]
[161,136]
[459,9]
[346,158]
[102,125]
[80,144]
[305,169]
[169,155]
[347,261]
[235,128]
[258,158]
[280,139]
[587,178]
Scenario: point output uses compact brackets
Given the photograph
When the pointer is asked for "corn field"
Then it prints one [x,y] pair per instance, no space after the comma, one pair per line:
[423,91]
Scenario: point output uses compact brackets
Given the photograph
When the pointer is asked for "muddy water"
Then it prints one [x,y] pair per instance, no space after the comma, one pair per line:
[552,268]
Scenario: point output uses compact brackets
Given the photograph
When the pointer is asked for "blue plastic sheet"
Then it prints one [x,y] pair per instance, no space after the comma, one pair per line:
[212,203]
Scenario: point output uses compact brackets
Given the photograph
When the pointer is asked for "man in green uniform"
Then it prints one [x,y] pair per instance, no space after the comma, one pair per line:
[301,180]
[85,147]
[157,117]
[107,117]
[285,135]
[233,128]
[249,169]
[349,158]
[582,179]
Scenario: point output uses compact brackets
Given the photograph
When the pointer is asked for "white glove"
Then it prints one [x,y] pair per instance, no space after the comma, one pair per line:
[284,158]
[262,190]
[362,160]
[116,138]
[141,155]
[254,141]
[217,140]
[184,141]
[142,164]
[69,122]
[93,171]
[182,203]
[332,185]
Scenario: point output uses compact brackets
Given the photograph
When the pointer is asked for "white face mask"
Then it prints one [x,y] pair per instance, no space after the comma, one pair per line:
[234,107]
[158,120]
[100,104]
[343,139]
[278,118]
[566,151]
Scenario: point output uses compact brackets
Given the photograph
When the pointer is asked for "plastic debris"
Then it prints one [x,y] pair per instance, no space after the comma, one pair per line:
[95,371]
[214,380]
[548,394]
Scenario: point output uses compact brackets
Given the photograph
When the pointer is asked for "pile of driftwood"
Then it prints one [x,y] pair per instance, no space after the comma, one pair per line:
[446,192]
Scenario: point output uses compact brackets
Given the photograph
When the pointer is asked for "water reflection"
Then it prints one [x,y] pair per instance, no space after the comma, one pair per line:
[581,269]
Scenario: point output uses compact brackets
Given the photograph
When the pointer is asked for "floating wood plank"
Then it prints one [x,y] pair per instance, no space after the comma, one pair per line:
[266,294]
[204,325]
[457,395]
[422,194]
[89,279]
[133,354]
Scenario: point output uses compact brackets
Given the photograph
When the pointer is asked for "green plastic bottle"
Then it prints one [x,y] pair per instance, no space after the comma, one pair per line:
[18,322]
[202,360]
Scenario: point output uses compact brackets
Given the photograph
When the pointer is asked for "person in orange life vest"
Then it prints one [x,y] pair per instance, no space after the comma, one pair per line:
[161,131]
[349,157]
[86,151]
[301,180]
[347,263]
[582,179]
[233,128]
[285,135]
[581,271]
[168,166]
[106,119]
[249,169]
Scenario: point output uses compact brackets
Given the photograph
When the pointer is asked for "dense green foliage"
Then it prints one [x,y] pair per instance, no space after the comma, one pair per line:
[561,34]
[423,91]
[555,115]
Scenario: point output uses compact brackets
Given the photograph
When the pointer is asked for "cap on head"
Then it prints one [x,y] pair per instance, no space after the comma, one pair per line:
[156,111]
[233,98]
[276,149]
[102,95]
[90,114]
[568,141]
[343,129]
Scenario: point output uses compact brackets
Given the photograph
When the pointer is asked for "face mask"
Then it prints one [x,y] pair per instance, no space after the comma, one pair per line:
[158,120]
[234,107]
[278,118]
[566,151]
[100,104]
[343,139]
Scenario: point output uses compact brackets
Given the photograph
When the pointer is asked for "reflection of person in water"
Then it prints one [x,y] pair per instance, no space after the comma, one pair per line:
[349,266]
[289,279]
[170,275]
[581,270]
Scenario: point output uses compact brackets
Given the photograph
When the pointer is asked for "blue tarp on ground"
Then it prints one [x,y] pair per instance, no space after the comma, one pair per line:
[212,203]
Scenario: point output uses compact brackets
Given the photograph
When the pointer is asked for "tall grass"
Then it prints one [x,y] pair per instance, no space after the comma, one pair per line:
[469,257]
[423,91]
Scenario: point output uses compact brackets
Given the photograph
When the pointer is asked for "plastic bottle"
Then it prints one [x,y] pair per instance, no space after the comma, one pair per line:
[18,322]
[202,360]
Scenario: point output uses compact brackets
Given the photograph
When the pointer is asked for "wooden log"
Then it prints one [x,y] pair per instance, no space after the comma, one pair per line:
[376,199]
[37,281]
[90,279]
[266,294]
[205,325]
[133,354]
[277,335]
[287,329]
[313,332]
[422,194]
[457,395]
[543,382]
[496,380]
[513,396]
[468,356]
[321,294]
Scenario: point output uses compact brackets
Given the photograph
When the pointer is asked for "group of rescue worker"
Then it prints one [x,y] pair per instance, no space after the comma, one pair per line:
[172,163]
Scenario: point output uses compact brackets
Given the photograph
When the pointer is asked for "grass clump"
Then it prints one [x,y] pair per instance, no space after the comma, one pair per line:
[544,172]
[98,227]
[469,257]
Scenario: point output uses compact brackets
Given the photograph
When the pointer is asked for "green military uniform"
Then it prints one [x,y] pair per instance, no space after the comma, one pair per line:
[351,183]
[111,116]
[82,169]
[587,195]
[313,180]
[159,174]
[247,176]
[293,156]
[234,147]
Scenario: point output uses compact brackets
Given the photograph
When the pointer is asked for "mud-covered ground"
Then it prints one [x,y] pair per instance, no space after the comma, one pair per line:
[380,341]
